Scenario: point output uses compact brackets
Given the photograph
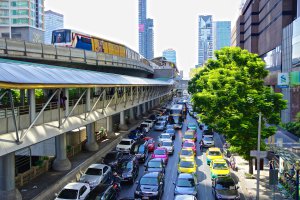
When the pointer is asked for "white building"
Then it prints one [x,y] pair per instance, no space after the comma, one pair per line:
[53,21]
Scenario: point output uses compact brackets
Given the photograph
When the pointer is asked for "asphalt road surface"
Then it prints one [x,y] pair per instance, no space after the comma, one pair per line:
[203,172]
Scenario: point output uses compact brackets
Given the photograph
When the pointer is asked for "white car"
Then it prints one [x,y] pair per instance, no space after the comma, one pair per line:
[146,126]
[125,145]
[164,136]
[74,191]
[169,145]
[208,141]
[150,122]
[96,174]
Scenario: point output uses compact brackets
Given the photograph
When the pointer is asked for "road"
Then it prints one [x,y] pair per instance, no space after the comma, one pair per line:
[203,173]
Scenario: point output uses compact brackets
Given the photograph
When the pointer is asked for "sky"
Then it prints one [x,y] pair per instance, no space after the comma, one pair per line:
[175,22]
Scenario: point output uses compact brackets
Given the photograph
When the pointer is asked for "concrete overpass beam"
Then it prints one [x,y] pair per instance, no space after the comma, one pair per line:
[8,190]
[123,126]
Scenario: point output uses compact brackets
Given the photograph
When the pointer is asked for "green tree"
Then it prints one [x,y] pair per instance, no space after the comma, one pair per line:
[229,93]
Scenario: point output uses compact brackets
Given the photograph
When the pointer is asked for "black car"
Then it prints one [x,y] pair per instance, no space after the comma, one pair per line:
[128,168]
[112,158]
[155,165]
[103,192]
[150,186]
[225,188]
[140,150]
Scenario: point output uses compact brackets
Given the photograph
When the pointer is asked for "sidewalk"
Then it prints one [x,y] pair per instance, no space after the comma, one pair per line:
[51,179]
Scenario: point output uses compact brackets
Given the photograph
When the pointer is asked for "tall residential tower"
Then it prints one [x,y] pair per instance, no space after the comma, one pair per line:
[145,31]
[170,55]
[222,34]
[53,21]
[22,20]
[205,39]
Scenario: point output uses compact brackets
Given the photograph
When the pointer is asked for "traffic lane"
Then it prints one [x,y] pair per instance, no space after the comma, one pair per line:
[127,190]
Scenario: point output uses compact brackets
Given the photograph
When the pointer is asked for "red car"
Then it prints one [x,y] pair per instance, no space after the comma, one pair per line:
[189,144]
[160,152]
[151,143]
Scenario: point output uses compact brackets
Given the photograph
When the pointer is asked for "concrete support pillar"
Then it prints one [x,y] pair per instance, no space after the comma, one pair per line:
[138,111]
[61,162]
[144,109]
[91,143]
[123,126]
[32,112]
[22,97]
[149,106]
[8,190]
[131,116]
[109,125]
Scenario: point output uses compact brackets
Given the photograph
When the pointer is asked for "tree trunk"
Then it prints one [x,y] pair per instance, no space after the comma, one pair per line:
[250,166]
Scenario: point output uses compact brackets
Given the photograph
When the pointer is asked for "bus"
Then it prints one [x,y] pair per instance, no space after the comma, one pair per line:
[176,116]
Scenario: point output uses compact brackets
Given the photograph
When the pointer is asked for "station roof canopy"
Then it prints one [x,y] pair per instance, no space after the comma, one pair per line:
[26,75]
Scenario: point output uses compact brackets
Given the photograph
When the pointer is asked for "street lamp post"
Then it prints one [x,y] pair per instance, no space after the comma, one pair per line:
[297,167]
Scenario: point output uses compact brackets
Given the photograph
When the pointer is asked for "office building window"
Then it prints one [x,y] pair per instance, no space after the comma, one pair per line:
[4,12]
[19,4]
[4,4]
[20,12]
[20,21]
[4,21]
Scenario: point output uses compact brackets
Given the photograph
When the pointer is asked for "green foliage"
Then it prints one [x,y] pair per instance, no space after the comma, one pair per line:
[229,92]
[293,127]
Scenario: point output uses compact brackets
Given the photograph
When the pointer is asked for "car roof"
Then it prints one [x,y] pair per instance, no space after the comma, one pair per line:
[126,139]
[219,161]
[185,175]
[151,174]
[214,149]
[187,159]
[147,138]
[225,179]
[155,160]
[100,188]
[184,197]
[160,148]
[165,134]
[127,158]
[188,141]
[168,140]
[97,166]
[186,149]
[76,185]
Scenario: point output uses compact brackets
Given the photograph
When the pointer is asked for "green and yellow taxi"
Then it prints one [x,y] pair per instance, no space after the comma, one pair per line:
[192,126]
[219,168]
[186,153]
[212,154]
[187,165]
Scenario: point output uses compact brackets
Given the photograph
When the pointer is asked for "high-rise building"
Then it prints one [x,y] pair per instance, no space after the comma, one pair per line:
[22,20]
[222,34]
[170,55]
[205,39]
[53,21]
[145,32]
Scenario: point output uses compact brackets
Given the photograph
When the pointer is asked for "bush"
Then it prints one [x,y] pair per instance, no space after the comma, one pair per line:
[293,127]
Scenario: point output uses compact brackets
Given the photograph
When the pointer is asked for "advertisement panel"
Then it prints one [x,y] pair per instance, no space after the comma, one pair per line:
[283,80]
[295,78]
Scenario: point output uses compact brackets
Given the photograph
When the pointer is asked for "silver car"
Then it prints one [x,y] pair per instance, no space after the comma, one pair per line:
[160,126]
[96,174]
[169,145]
[186,184]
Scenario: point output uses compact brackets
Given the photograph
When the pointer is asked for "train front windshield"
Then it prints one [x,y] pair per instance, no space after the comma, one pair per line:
[61,36]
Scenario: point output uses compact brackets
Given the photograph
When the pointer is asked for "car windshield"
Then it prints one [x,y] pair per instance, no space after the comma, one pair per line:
[154,164]
[158,124]
[188,144]
[127,165]
[148,121]
[208,139]
[167,143]
[143,125]
[214,153]
[186,152]
[93,171]
[170,126]
[165,136]
[111,155]
[185,182]
[226,185]
[192,126]
[169,131]
[188,136]
[159,152]
[186,164]
[68,194]
[141,149]
[123,142]
[149,181]
[220,166]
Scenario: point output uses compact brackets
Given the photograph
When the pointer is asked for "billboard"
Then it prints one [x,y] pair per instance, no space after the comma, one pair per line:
[141,27]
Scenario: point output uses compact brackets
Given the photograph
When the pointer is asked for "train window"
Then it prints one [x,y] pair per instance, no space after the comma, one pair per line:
[84,39]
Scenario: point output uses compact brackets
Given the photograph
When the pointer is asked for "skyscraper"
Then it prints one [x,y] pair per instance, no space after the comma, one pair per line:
[53,21]
[205,39]
[222,34]
[170,55]
[145,31]
[22,20]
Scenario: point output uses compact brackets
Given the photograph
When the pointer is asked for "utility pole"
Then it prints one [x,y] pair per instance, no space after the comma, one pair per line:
[258,157]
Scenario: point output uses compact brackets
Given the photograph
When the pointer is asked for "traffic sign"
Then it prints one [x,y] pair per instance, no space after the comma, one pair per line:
[262,154]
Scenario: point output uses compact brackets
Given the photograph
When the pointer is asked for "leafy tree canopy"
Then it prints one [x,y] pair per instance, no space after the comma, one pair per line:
[229,93]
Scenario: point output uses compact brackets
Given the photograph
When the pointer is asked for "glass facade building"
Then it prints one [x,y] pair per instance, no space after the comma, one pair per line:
[23,20]
[53,21]
[170,55]
[205,39]
[222,34]
[145,32]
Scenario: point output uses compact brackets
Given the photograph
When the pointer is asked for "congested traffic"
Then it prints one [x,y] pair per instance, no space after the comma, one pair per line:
[170,155]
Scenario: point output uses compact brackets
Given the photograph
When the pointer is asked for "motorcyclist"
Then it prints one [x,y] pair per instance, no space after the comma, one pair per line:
[117,180]
[201,144]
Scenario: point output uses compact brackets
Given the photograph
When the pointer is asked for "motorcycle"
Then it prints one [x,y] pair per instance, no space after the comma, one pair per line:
[117,187]
[232,163]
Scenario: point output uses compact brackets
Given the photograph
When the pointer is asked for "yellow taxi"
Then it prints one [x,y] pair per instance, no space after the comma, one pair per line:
[190,135]
[212,154]
[186,153]
[187,165]
[219,168]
